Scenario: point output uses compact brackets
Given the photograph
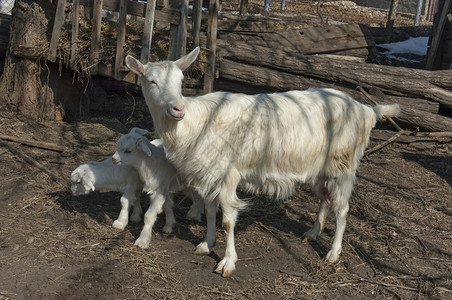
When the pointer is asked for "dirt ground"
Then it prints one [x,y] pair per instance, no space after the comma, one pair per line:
[397,244]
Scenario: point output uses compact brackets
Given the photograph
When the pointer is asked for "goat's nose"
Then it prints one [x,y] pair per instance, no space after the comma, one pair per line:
[179,108]
[114,160]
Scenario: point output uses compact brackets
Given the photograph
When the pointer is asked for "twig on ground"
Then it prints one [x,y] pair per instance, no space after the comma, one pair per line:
[38,144]
[28,159]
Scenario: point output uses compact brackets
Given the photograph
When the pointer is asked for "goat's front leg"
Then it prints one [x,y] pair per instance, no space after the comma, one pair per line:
[227,265]
[157,201]
[126,202]
[169,215]
[206,246]
[319,224]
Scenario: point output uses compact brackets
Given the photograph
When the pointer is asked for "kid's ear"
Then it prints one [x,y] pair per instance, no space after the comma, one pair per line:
[144,145]
[138,130]
[91,186]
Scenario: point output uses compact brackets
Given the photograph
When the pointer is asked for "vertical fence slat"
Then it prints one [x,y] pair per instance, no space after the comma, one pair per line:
[95,37]
[56,32]
[147,32]
[121,37]
[74,37]
[211,45]
[436,38]
[197,16]
[182,30]
[391,17]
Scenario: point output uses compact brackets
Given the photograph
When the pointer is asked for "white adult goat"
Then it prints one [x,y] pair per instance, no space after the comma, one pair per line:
[159,177]
[105,175]
[267,142]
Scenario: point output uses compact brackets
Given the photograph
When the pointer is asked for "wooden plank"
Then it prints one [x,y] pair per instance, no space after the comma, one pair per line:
[209,76]
[74,33]
[56,32]
[162,15]
[121,37]
[95,36]
[147,32]
[436,38]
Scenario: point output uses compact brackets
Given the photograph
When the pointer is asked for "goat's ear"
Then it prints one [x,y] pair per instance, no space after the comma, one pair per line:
[185,61]
[139,131]
[135,65]
[144,145]
[91,186]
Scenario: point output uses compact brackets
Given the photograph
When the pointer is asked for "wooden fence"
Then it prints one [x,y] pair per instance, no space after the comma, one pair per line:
[174,15]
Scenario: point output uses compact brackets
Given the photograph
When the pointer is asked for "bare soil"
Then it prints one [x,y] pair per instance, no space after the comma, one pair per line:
[55,246]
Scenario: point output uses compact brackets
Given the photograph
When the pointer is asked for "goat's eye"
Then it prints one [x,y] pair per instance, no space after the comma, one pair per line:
[152,82]
[127,151]
[79,182]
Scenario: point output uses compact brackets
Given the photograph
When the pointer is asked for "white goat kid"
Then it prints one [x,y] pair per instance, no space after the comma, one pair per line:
[267,142]
[159,177]
[105,175]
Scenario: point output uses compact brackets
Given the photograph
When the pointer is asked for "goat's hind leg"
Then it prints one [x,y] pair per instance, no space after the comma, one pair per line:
[170,220]
[341,193]
[206,246]
[321,190]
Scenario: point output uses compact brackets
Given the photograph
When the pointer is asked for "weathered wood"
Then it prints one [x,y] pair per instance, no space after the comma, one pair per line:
[323,39]
[56,32]
[74,33]
[119,60]
[182,30]
[271,79]
[197,17]
[163,15]
[209,76]
[437,34]
[391,17]
[95,37]
[147,32]
[38,144]
[396,81]
[29,160]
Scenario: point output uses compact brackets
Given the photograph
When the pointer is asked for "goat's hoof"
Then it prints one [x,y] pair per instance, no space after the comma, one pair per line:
[142,243]
[310,235]
[333,256]
[202,249]
[225,267]
[135,218]
[167,229]
[119,225]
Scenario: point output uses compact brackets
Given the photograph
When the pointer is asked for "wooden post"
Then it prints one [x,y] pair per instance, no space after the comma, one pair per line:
[174,30]
[211,45]
[56,32]
[243,7]
[95,37]
[147,32]
[182,30]
[121,37]
[391,17]
[437,34]
[197,16]
[74,38]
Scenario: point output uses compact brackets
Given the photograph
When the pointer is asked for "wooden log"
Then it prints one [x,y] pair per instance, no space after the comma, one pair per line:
[267,79]
[323,39]
[197,17]
[396,81]
[56,32]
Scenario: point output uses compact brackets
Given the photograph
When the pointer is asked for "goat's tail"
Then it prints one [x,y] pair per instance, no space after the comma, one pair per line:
[391,110]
